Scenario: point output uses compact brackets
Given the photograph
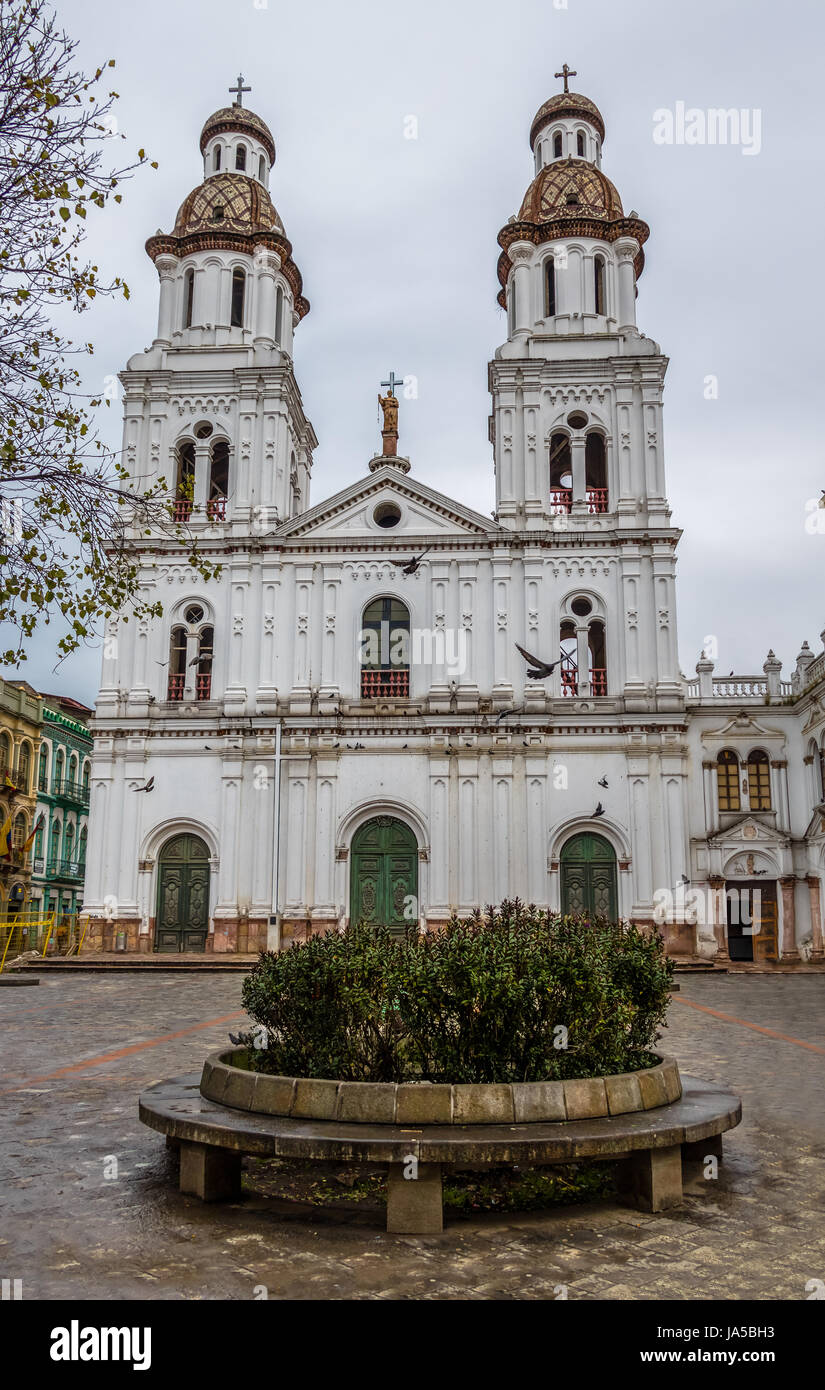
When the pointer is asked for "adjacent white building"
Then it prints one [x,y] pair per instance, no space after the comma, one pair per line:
[331,734]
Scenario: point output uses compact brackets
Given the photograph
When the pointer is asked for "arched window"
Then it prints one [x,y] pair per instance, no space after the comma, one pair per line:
[203,687]
[238,288]
[580,143]
[87,768]
[262,169]
[569,667]
[188,297]
[561,475]
[68,852]
[216,158]
[59,761]
[598,283]
[73,770]
[24,767]
[557,145]
[595,471]
[597,650]
[218,481]
[240,158]
[43,768]
[758,770]
[385,649]
[549,288]
[20,831]
[727,780]
[279,314]
[38,839]
[177,663]
[54,844]
[185,481]
[5,753]
[81,846]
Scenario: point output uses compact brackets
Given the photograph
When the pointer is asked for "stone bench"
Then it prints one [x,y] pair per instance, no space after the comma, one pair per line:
[650,1146]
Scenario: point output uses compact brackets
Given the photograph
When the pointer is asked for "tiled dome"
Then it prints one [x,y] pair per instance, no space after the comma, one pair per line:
[227,202]
[567,104]
[570,188]
[237,118]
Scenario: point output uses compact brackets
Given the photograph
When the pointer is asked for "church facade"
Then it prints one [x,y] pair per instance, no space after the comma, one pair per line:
[343,723]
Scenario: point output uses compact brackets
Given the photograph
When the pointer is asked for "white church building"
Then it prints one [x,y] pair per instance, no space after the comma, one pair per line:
[321,733]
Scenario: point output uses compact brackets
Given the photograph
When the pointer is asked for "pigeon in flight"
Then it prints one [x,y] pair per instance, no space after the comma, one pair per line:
[542,669]
[505,712]
[147,787]
[599,811]
[602,782]
[411,566]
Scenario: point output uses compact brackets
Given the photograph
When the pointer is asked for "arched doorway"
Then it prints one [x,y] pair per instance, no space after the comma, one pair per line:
[588,876]
[183,895]
[384,874]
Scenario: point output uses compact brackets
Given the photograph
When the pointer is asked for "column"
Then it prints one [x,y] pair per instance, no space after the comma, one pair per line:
[267,263]
[521,254]
[720,915]
[789,949]
[815,890]
[626,249]
[166,267]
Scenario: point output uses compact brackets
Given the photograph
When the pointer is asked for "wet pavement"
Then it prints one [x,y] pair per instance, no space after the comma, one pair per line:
[89,1207]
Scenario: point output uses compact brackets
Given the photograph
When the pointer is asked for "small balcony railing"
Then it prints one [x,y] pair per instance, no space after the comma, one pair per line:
[16,859]
[10,779]
[182,509]
[216,509]
[561,500]
[65,868]
[386,682]
[70,790]
[598,681]
[177,685]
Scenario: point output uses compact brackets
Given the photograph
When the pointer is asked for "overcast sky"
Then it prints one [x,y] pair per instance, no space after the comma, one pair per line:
[396,241]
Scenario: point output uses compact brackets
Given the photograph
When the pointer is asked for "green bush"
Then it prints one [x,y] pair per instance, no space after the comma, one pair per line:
[482,1000]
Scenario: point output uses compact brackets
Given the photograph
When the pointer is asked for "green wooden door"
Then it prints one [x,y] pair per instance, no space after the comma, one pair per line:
[384,874]
[588,877]
[183,895]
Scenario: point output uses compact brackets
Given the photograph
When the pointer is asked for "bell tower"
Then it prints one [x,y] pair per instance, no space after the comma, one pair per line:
[233,443]
[576,423]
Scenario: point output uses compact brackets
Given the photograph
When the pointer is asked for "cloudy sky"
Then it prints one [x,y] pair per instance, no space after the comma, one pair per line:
[396,241]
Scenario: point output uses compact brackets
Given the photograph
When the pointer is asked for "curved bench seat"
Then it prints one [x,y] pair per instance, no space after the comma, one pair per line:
[651,1146]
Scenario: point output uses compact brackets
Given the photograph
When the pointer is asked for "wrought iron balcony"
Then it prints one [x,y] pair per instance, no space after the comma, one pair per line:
[66,868]
[70,790]
[11,780]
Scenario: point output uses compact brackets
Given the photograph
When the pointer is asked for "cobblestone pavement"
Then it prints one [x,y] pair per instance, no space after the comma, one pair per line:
[77,1050]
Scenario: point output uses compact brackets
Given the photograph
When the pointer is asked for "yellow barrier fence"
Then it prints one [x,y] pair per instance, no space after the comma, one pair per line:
[36,932]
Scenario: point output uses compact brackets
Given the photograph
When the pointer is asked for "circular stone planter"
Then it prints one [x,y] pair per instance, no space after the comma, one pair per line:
[424,1102]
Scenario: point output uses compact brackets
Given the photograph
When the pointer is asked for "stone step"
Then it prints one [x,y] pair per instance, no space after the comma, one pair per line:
[108,964]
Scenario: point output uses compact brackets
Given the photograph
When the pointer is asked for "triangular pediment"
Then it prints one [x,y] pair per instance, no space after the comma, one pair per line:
[749,833]
[816,825]
[350,515]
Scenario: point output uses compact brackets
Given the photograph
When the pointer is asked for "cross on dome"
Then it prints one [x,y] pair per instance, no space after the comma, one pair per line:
[565,73]
[239,89]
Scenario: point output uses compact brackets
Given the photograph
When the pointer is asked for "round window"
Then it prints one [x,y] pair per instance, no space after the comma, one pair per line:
[203,430]
[577,420]
[581,607]
[194,614]
[387,514]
